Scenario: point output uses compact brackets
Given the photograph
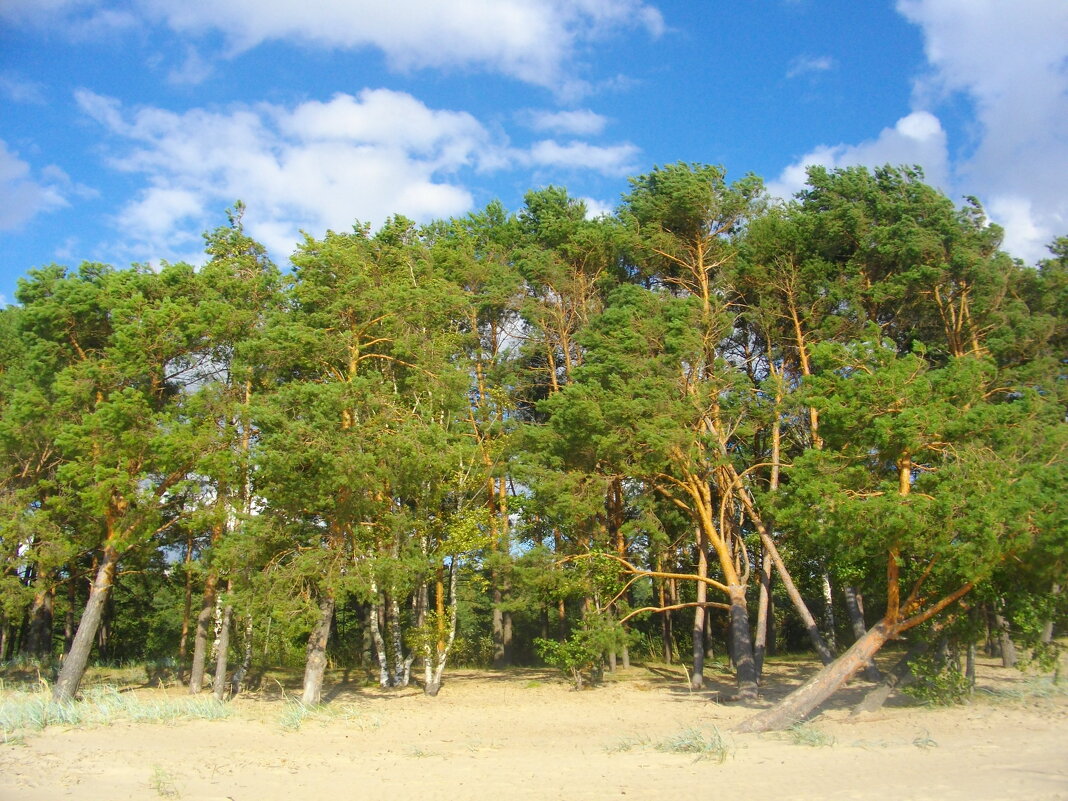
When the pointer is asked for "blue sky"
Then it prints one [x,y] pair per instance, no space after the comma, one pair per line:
[128,127]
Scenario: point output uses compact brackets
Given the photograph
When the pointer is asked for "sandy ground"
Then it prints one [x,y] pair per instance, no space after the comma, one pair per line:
[524,735]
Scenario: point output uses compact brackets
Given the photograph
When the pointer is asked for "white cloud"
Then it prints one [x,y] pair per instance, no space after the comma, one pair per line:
[1012,64]
[77,19]
[194,70]
[609,160]
[916,139]
[803,65]
[597,208]
[315,166]
[535,41]
[582,122]
[20,90]
[24,197]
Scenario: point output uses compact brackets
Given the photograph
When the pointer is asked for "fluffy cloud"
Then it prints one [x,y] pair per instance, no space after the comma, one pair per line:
[582,122]
[1012,65]
[616,160]
[315,166]
[24,196]
[803,65]
[535,41]
[915,139]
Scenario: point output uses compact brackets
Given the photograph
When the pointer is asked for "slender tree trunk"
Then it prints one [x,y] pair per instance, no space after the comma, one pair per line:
[1047,628]
[72,603]
[829,624]
[74,663]
[187,609]
[315,665]
[237,683]
[200,638]
[760,644]
[697,678]
[854,602]
[222,655]
[375,624]
[820,686]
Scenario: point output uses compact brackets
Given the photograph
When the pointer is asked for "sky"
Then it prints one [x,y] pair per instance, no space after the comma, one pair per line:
[129,127]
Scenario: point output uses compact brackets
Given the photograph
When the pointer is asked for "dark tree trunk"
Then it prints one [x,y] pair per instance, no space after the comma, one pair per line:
[855,609]
[74,663]
[742,645]
[200,639]
[821,686]
[38,642]
[222,654]
[1005,643]
[315,666]
[829,624]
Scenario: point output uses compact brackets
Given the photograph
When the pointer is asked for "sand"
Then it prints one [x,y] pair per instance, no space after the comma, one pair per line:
[524,734]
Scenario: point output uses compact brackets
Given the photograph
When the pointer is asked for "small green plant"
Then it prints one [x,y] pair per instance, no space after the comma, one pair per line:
[694,741]
[807,734]
[627,744]
[163,783]
[582,654]
[939,682]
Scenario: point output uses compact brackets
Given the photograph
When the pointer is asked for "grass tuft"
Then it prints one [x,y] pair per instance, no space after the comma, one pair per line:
[694,741]
[295,714]
[807,734]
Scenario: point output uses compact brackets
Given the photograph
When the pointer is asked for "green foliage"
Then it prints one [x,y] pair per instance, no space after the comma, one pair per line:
[938,681]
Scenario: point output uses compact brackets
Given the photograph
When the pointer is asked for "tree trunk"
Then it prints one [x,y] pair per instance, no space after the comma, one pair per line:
[200,639]
[187,610]
[375,623]
[1005,643]
[315,665]
[697,679]
[900,675]
[1047,627]
[222,654]
[742,645]
[760,644]
[38,642]
[74,663]
[821,686]
[238,681]
[855,609]
[829,624]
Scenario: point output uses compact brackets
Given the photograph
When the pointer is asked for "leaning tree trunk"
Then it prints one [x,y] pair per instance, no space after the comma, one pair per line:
[74,663]
[822,685]
[315,666]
